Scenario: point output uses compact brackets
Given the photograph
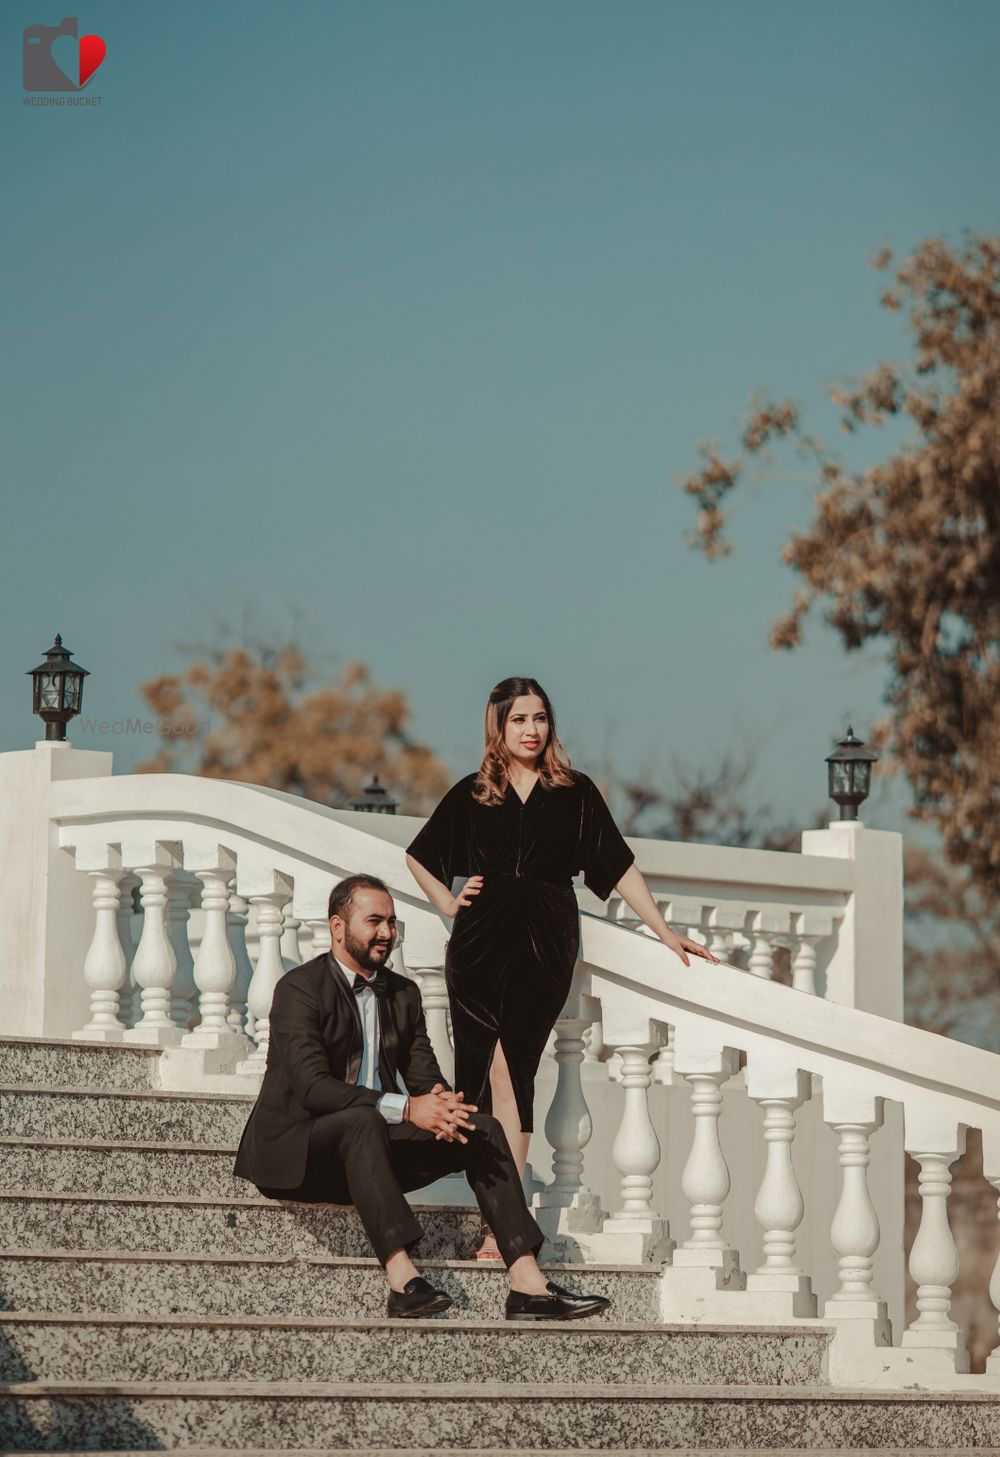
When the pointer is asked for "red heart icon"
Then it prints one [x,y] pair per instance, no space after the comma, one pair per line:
[92,53]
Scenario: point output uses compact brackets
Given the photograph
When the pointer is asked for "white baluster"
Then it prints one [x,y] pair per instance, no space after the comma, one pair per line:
[236,927]
[719,942]
[567,1205]
[593,1042]
[291,952]
[761,961]
[705,1264]
[934,1255]
[155,965]
[636,1149]
[319,929]
[705,1180]
[636,1233]
[179,889]
[129,995]
[855,1230]
[215,964]
[728,929]
[779,1206]
[397,959]
[854,1115]
[269,969]
[426,946]
[434,995]
[778,1285]
[804,964]
[568,1125]
[104,966]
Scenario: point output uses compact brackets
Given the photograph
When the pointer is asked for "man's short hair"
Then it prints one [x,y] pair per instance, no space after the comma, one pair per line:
[343,893]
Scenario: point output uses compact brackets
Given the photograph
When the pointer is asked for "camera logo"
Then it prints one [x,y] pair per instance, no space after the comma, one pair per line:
[53,57]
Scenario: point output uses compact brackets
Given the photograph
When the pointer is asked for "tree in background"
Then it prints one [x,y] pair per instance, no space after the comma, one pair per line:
[907,553]
[253,714]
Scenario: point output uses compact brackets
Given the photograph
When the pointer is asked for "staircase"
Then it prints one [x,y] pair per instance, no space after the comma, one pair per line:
[147,1303]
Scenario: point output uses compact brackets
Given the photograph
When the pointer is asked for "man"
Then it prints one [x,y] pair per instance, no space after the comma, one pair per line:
[332,1124]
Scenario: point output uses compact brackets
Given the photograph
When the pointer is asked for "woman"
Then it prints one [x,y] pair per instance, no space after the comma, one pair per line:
[520,829]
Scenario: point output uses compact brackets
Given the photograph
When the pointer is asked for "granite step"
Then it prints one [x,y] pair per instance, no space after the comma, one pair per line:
[71,1166]
[552,1452]
[277,1415]
[59,1348]
[68,1063]
[108,1115]
[108,1283]
[191,1225]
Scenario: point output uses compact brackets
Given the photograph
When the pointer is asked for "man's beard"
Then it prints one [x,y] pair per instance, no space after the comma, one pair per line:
[361,951]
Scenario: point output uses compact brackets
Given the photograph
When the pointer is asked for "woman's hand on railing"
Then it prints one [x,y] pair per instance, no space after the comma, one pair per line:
[683,944]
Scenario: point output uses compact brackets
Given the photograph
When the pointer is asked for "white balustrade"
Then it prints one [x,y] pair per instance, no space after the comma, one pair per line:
[180,888]
[705,1264]
[636,1149]
[215,964]
[426,946]
[934,1254]
[804,964]
[105,967]
[129,994]
[291,952]
[268,906]
[567,1206]
[834,907]
[705,1180]
[855,1231]
[155,963]
[568,1124]
[768,928]
[779,1206]
[321,939]
[236,927]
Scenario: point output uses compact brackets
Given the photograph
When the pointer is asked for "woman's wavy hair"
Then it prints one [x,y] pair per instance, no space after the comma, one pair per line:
[554,769]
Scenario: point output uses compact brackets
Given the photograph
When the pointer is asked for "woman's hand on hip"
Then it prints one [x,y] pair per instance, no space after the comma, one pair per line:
[470,889]
[683,944]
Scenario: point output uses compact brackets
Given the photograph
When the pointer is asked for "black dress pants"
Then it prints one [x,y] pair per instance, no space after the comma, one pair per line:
[356,1157]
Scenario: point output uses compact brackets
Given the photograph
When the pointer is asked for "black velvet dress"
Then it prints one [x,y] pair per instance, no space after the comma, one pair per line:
[512,951]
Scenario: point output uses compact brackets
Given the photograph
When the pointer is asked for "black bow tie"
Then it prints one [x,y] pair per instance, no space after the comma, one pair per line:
[377,981]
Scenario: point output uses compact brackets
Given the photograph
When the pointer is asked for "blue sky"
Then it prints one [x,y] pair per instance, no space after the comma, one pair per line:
[409,317]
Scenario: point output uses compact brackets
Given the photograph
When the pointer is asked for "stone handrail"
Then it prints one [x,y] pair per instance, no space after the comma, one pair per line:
[789,1047]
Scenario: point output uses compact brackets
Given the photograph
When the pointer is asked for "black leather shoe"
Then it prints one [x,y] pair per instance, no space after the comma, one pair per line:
[417,1297]
[558,1304]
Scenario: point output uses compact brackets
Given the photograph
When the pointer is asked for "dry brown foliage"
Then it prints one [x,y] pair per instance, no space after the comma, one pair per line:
[248,714]
[907,551]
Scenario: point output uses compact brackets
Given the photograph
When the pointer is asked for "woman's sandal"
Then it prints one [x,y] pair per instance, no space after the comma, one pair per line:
[488,1249]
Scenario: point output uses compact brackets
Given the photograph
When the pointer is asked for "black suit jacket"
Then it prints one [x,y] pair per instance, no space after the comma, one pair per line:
[313,1061]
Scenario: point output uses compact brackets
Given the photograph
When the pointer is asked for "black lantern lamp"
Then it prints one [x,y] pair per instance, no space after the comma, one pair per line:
[57,690]
[375,799]
[850,774]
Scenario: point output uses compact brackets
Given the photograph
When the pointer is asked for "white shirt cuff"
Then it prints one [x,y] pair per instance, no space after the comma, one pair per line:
[391,1106]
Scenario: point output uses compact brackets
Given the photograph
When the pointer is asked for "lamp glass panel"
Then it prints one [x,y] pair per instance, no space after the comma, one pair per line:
[862,777]
[71,693]
[840,778]
[49,690]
